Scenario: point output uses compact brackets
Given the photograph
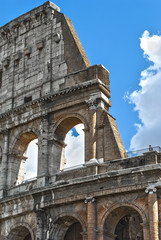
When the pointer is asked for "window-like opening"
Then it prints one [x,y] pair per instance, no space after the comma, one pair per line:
[24,163]
[69,147]
[28,165]
[74,150]
[32,158]
[27,99]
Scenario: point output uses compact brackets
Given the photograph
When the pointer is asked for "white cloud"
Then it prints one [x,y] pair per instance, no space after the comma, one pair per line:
[31,162]
[147,99]
[74,152]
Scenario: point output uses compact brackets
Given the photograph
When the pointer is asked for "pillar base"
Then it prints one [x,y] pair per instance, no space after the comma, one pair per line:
[42,181]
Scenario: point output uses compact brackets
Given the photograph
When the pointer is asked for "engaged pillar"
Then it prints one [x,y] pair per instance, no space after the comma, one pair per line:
[39,227]
[43,147]
[91,218]
[5,160]
[153,212]
[92,104]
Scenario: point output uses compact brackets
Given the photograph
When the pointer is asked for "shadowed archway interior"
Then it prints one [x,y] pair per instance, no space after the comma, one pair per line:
[19,233]
[74,232]
[124,223]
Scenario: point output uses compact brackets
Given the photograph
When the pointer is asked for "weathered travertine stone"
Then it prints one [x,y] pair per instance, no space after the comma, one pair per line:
[47,86]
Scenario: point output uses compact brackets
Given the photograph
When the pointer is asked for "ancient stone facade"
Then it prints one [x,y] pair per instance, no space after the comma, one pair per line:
[47,86]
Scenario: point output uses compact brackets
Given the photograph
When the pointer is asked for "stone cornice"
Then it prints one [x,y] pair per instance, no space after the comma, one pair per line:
[51,97]
[58,185]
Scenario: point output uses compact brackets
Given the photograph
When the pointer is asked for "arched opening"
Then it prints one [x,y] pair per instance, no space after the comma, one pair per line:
[69,137]
[74,232]
[20,233]
[74,150]
[65,228]
[32,160]
[24,158]
[124,223]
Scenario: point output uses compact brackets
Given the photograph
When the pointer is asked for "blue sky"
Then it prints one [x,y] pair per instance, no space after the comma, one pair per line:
[110,32]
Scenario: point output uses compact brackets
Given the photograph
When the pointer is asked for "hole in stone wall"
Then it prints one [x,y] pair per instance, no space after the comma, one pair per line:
[28,164]
[74,150]
[27,99]
[32,159]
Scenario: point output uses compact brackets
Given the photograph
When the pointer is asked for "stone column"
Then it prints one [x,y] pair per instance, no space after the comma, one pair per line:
[39,226]
[100,143]
[91,218]
[43,148]
[5,160]
[57,159]
[92,104]
[146,232]
[86,144]
[92,121]
[153,213]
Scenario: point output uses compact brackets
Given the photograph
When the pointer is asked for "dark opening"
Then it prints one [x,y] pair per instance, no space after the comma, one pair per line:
[28,237]
[74,232]
[27,99]
[19,233]
[122,229]
[129,227]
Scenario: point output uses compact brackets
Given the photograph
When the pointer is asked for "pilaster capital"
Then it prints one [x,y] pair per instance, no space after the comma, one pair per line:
[151,189]
[5,132]
[92,103]
[89,200]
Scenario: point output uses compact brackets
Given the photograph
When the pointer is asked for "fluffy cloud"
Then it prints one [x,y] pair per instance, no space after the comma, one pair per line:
[74,151]
[31,163]
[147,99]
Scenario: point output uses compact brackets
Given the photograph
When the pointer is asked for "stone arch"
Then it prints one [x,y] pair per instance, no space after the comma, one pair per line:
[78,116]
[73,215]
[62,223]
[17,155]
[59,131]
[21,231]
[35,131]
[118,211]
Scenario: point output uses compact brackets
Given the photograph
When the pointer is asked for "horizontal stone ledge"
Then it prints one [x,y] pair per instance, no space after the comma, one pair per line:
[51,96]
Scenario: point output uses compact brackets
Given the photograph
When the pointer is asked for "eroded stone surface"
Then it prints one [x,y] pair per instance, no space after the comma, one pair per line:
[47,86]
